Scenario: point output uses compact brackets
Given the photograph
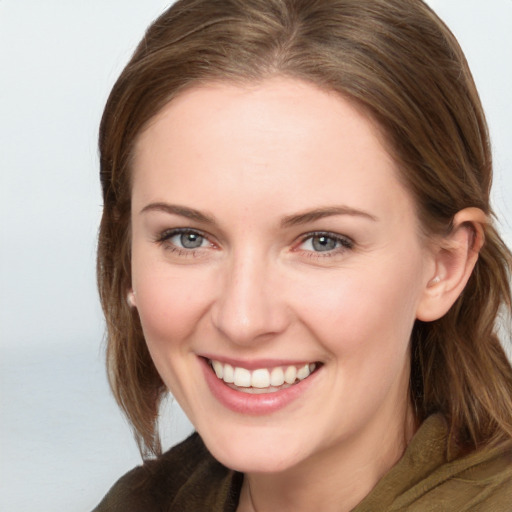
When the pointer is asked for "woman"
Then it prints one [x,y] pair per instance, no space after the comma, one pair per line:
[297,243]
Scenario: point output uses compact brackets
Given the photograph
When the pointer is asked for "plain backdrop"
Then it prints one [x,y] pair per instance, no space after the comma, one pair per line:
[62,440]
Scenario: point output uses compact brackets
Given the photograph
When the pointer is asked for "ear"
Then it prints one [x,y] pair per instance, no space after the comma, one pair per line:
[455,257]
[130,298]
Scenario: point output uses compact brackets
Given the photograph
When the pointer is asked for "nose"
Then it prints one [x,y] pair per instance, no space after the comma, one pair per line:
[250,305]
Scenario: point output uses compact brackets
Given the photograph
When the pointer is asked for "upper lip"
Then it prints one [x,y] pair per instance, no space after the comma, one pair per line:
[254,364]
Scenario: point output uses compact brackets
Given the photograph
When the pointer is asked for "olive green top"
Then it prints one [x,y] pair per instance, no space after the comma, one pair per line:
[188,479]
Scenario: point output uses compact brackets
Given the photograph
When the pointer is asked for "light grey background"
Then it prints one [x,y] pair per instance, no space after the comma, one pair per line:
[62,440]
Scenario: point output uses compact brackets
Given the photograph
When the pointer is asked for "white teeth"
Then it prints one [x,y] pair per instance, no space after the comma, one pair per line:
[303,372]
[262,378]
[290,374]
[228,374]
[242,378]
[277,377]
[218,369]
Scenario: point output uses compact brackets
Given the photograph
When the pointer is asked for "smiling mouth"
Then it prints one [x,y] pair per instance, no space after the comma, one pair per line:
[261,380]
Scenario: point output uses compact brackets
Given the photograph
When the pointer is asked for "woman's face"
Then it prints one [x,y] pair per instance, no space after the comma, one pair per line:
[273,241]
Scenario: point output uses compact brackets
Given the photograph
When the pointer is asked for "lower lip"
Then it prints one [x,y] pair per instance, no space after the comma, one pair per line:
[254,404]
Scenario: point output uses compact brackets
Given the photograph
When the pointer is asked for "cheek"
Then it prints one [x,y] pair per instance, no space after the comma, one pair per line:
[170,305]
[357,310]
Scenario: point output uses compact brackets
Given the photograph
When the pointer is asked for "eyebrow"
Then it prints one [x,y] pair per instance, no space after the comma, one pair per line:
[321,213]
[288,221]
[183,211]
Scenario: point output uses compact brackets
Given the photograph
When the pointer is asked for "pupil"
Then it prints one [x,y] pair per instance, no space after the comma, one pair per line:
[191,240]
[323,243]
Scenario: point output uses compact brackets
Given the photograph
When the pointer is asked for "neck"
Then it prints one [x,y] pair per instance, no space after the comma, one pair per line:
[336,479]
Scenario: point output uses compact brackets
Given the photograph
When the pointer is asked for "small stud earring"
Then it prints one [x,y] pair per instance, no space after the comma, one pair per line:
[130,298]
[434,281]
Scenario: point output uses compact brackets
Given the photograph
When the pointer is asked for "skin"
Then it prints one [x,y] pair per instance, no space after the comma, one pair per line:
[247,158]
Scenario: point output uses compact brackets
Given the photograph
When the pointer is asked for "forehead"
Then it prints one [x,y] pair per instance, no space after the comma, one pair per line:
[281,138]
[296,105]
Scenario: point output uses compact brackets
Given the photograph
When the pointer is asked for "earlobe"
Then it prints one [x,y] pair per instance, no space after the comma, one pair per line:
[130,298]
[455,257]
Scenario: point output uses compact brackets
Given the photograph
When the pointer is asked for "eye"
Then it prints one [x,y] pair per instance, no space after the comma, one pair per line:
[190,240]
[325,242]
[183,239]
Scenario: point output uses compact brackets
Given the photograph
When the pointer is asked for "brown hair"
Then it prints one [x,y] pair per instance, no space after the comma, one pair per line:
[402,64]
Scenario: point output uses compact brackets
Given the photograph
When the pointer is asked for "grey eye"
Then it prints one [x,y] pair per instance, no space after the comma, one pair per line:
[191,240]
[323,243]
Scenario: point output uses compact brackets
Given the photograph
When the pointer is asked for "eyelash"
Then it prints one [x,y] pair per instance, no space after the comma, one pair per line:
[342,243]
[165,237]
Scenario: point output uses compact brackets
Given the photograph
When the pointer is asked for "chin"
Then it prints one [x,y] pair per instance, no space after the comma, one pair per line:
[269,462]
[254,453]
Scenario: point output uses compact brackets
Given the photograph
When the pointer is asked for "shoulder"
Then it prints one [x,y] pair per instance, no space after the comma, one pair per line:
[428,479]
[184,478]
[479,481]
[476,482]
